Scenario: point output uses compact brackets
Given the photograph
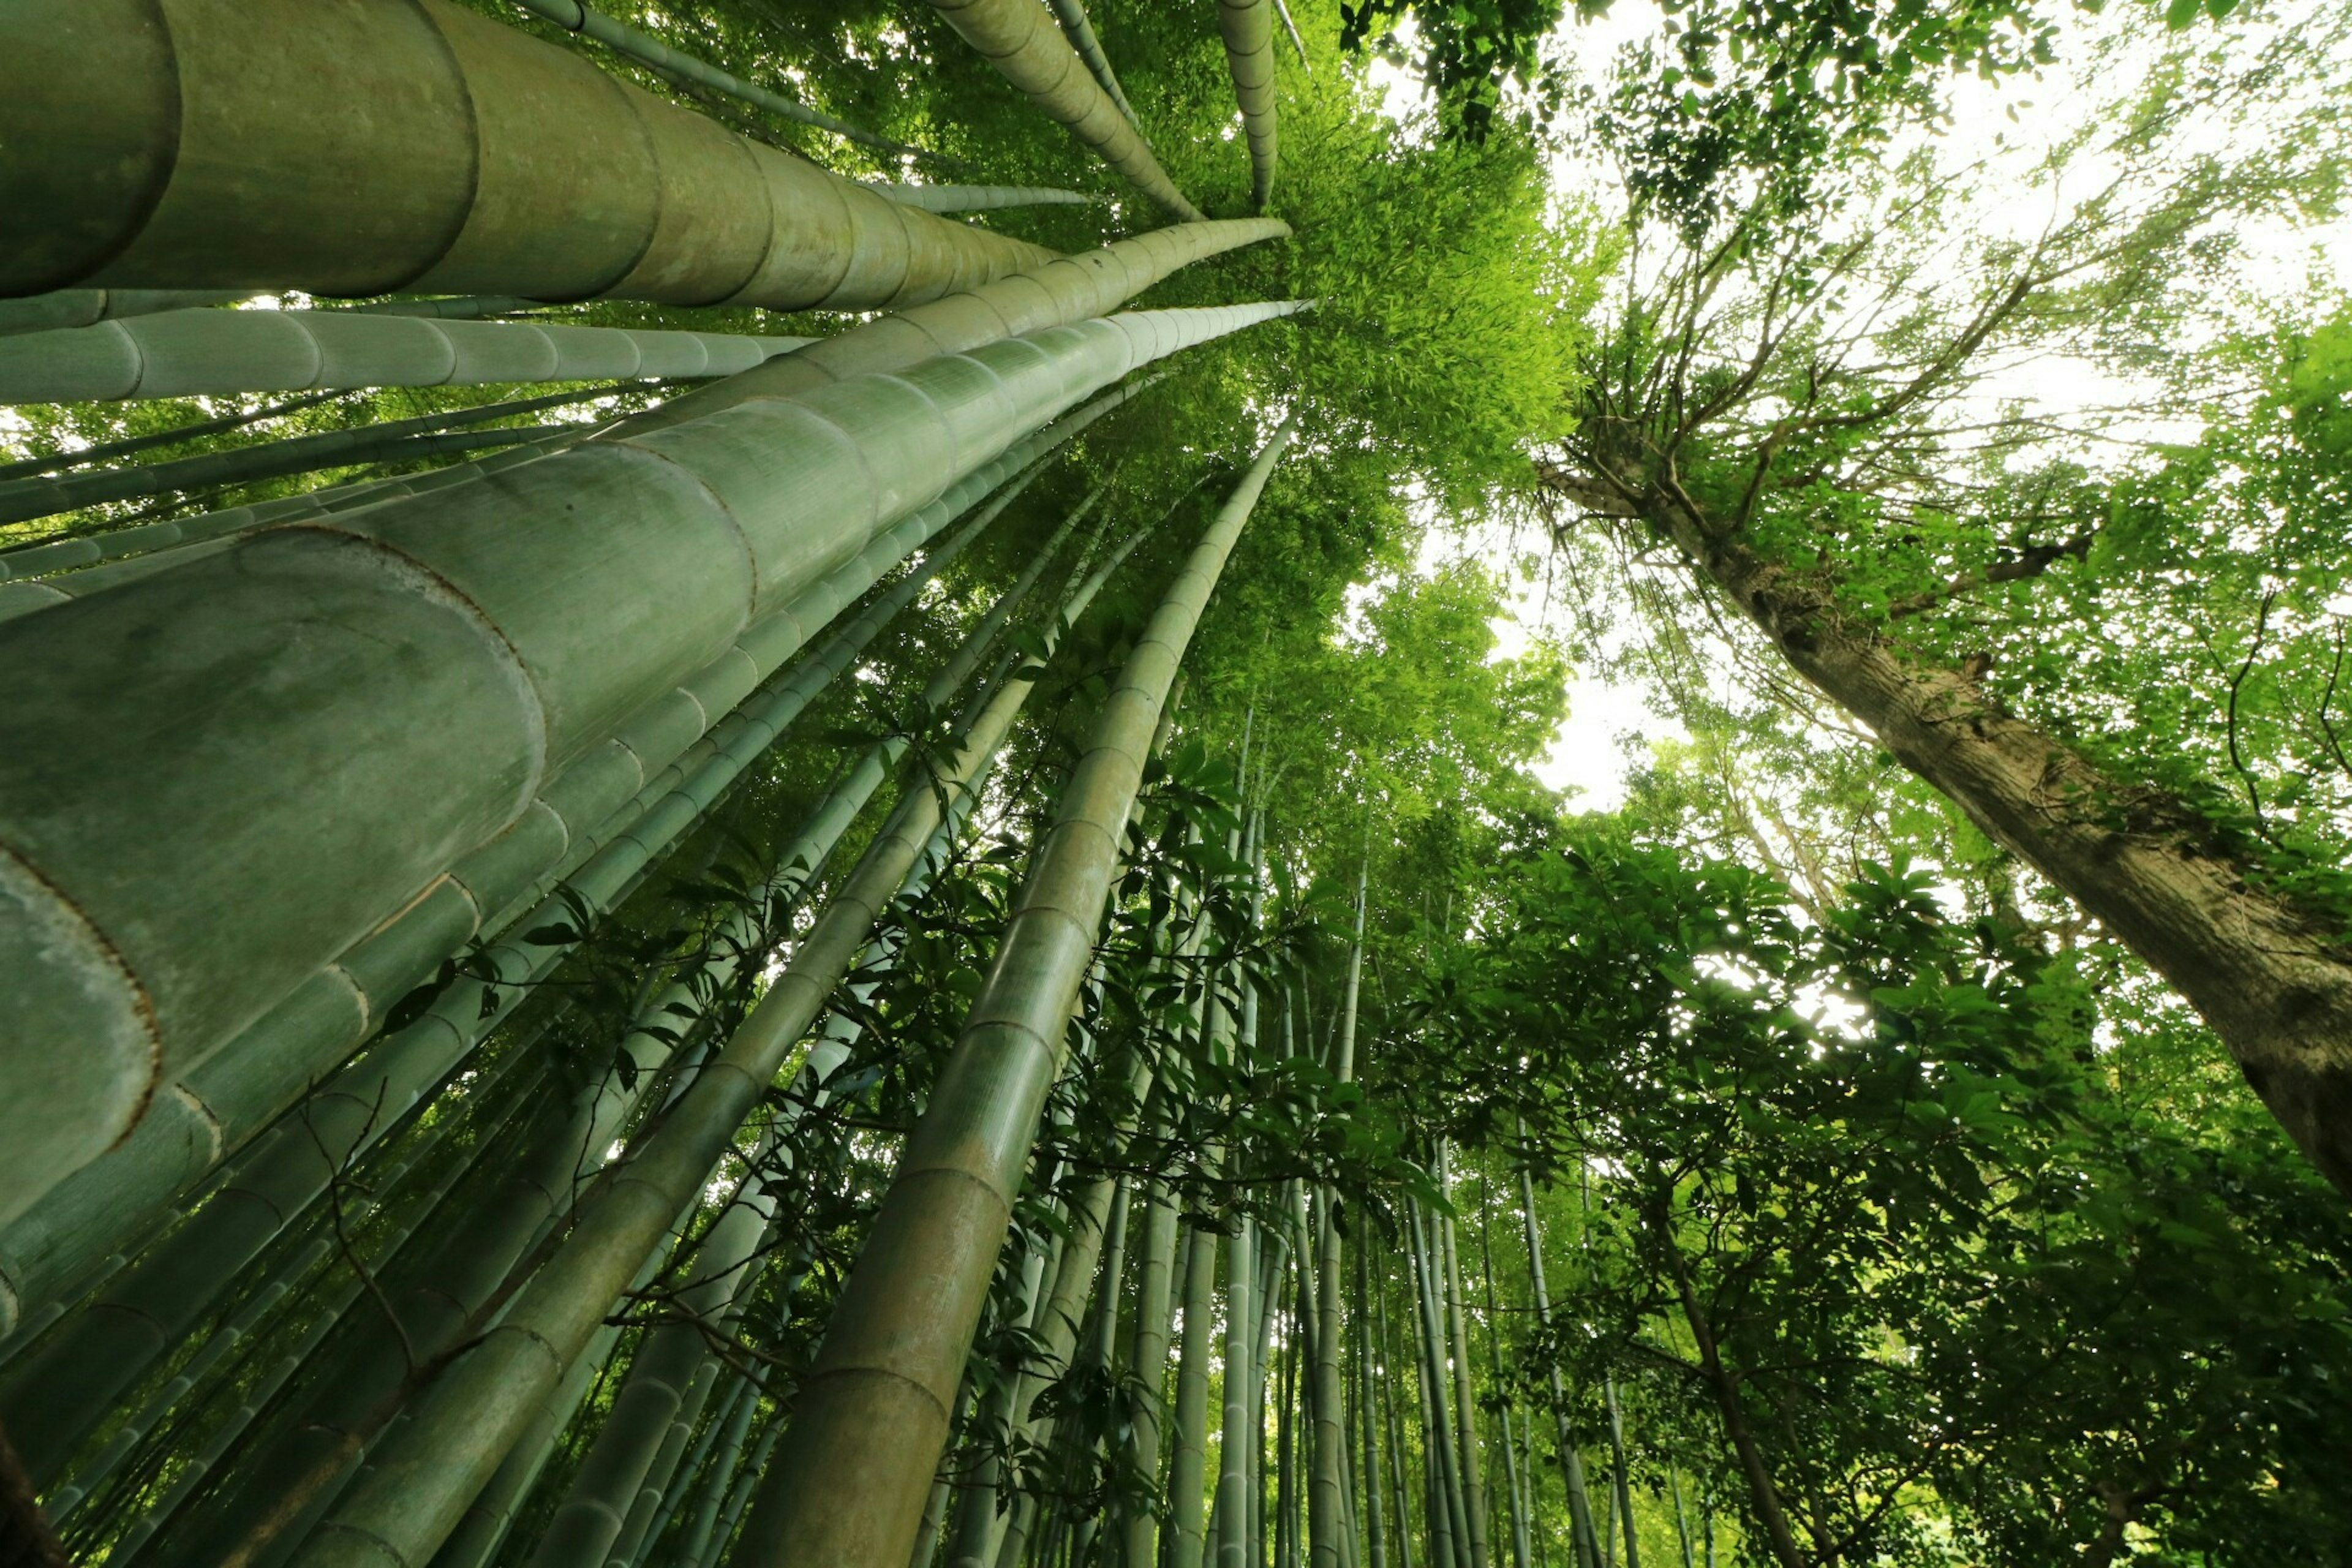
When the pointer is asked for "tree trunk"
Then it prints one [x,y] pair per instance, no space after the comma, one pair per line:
[2271,978]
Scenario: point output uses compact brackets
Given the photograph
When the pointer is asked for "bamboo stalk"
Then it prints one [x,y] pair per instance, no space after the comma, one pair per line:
[1023,41]
[77,1376]
[1248,29]
[81,307]
[978,198]
[651,52]
[1584,1545]
[1072,15]
[1324,1497]
[416,148]
[210,353]
[106,452]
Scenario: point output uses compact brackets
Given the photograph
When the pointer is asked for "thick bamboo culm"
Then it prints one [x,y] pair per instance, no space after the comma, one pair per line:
[209,354]
[379,147]
[666,546]
[1022,40]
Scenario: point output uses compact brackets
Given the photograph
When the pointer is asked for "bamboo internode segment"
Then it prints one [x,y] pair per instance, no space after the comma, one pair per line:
[183,353]
[364,147]
[1022,40]
[1248,29]
[849,1488]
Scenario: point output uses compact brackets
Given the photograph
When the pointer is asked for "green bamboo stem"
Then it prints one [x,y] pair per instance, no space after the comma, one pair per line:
[681,538]
[1391,1366]
[394,441]
[1059,1321]
[1513,1492]
[491,1513]
[974,1531]
[452,1280]
[1681,1518]
[285,1277]
[1147,1361]
[978,198]
[1248,29]
[1584,1545]
[738,1496]
[1297,42]
[1238,1430]
[1020,40]
[57,1396]
[416,149]
[244,465]
[849,1485]
[651,52]
[285,1175]
[454,308]
[456,1434]
[210,353]
[214,1108]
[1188,1460]
[332,1311]
[1368,1414]
[1448,1284]
[589,1523]
[1325,1495]
[1059,292]
[81,307]
[704,1472]
[100,561]
[1619,1480]
[1072,15]
[1449,1520]
[673,1466]
[106,452]
[725,1458]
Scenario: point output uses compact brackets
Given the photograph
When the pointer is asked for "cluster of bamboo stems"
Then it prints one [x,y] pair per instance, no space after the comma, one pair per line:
[319,1243]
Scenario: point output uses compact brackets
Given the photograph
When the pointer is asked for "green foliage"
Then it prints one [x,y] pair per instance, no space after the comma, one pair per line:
[1968,1269]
